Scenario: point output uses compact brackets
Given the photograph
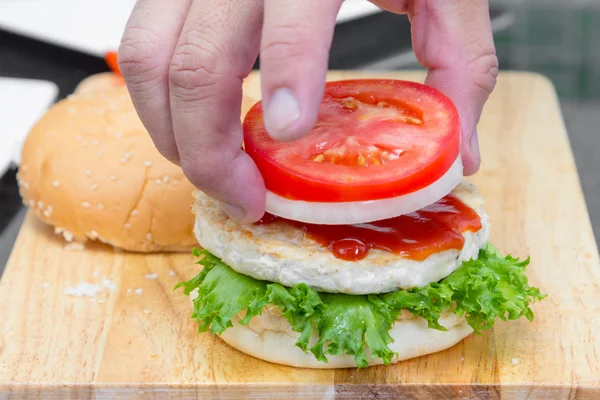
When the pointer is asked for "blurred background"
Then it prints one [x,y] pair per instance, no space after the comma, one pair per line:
[48,46]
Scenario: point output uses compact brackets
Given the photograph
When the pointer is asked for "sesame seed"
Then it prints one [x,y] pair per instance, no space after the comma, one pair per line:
[23,184]
[118,135]
[79,137]
[158,181]
[23,168]
[112,178]
[98,154]
[152,276]
[515,361]
[146,311]
[147,164]
[171,273]
[31,203]
[45,285]
[48,211]
[56,183]
[95,142]
[93,234]
[166,178]
[68,236]
[127,225]
[149,236]
[139,291]
[127,156]
[85,204]
[94,186]
[88,172]
[40,204]
[129,290]
[71,110]
[100,206]
[134,212]
[95,273]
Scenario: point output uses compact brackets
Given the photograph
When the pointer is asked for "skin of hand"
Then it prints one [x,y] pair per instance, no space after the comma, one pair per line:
[184,62]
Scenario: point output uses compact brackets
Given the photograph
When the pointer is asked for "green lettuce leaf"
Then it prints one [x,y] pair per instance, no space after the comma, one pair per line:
[481,290]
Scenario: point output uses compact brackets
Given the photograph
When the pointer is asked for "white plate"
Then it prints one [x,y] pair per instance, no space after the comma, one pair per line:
[96,26]
[22,104]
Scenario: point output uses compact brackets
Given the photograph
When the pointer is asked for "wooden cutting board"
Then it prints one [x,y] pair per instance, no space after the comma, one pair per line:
[135,339]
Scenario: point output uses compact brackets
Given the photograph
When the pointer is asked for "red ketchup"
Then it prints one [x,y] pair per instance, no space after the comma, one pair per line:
[415,236]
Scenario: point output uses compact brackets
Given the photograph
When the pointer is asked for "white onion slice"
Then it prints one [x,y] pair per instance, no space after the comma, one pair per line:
[356,212]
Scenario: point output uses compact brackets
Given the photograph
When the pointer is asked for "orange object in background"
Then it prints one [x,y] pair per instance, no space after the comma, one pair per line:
[112,62]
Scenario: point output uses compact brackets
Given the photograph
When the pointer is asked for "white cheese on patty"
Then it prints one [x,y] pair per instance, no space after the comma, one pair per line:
[279,252]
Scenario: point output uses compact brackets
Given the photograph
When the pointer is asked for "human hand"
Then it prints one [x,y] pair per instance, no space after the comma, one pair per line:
[184,62]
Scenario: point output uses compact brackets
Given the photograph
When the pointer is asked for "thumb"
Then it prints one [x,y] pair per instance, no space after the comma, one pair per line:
[454,41]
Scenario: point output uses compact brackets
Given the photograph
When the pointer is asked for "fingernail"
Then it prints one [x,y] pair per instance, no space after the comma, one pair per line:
[281,112]
[236,213]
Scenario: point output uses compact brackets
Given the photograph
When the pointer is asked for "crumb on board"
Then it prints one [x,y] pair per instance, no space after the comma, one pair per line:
[45,285]
[139,291]
[108,284]
[515,361]
[83,289]
[74,246]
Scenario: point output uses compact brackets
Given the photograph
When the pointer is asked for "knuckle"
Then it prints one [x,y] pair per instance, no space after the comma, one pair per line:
[140,54]
[198,63]
[484,70]
[291,41]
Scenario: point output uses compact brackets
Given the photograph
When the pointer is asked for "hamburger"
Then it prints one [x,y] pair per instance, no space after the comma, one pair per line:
[373,249]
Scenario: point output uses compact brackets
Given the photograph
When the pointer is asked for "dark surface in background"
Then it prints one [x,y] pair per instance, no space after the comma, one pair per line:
[354,43]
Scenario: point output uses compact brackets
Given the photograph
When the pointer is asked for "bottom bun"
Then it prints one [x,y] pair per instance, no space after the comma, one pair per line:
[269,337]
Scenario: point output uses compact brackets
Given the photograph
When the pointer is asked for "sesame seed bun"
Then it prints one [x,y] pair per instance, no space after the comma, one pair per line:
[90,169]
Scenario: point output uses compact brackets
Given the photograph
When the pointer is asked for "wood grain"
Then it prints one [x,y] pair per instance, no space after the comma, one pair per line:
[120,344]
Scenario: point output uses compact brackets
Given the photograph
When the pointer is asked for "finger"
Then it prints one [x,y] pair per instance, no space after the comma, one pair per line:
[294,55]
[217,49]
[453,39]
[146,49]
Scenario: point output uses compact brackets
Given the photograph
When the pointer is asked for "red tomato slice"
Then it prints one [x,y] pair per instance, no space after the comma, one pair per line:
[374,139]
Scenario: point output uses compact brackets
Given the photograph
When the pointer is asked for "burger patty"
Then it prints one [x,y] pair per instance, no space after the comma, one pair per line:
[282,253]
